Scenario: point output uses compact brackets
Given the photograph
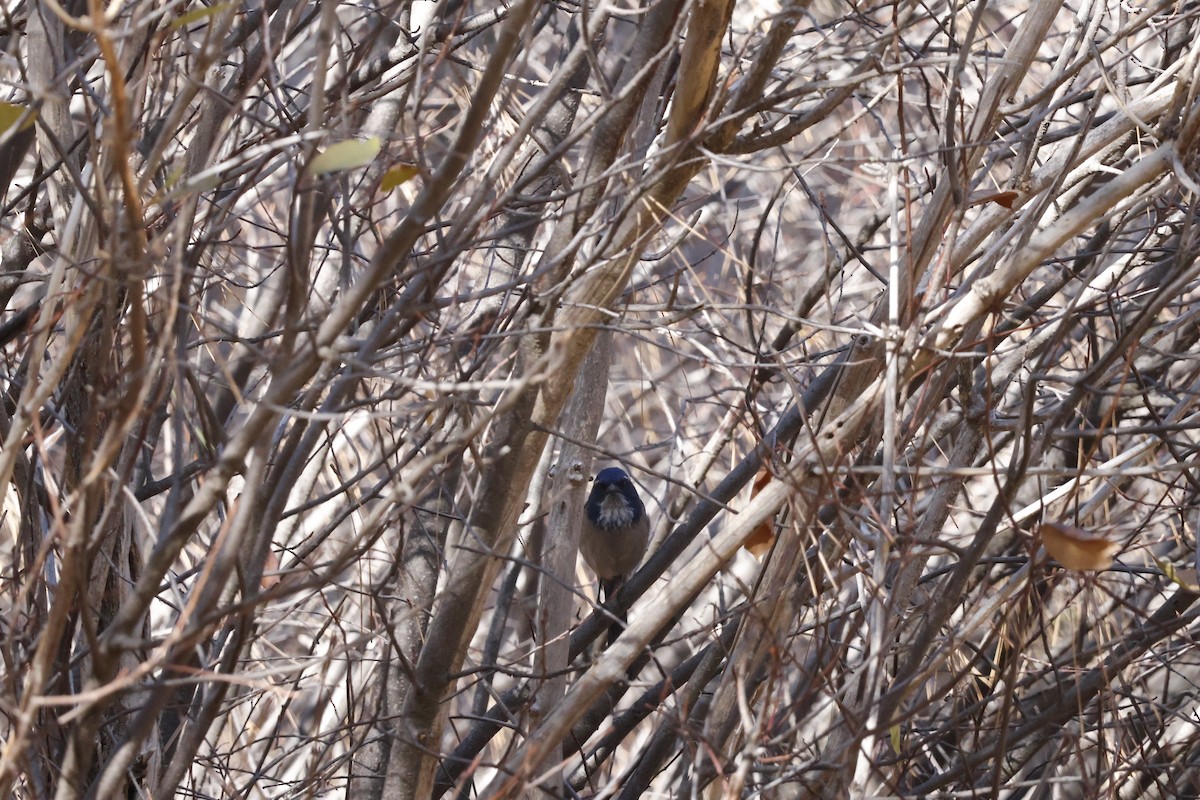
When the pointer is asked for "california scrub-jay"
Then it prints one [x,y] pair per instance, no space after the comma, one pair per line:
[615,530]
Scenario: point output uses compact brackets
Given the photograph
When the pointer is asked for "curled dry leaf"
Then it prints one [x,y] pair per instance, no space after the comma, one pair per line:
[1005,198]
[1076,548]
[760,541]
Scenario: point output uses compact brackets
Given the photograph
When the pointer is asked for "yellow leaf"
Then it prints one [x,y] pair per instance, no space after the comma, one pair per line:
[894,735]
[10,113]
[197,14]
[398,175]
[1077,549]
[346,155]
[202,183]
[1187,577]
[174,176]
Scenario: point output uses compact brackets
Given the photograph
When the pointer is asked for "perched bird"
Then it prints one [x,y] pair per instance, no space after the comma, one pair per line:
[615,530]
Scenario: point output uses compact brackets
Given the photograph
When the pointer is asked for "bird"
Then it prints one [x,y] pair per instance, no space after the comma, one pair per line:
[615,531]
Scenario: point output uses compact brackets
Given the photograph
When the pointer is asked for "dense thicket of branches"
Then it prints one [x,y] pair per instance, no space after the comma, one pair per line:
[319,316]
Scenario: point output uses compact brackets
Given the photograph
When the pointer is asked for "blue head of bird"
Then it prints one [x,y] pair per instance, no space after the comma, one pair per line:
[614,502]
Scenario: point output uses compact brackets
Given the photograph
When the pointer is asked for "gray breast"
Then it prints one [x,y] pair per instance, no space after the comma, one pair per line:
[615,512]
